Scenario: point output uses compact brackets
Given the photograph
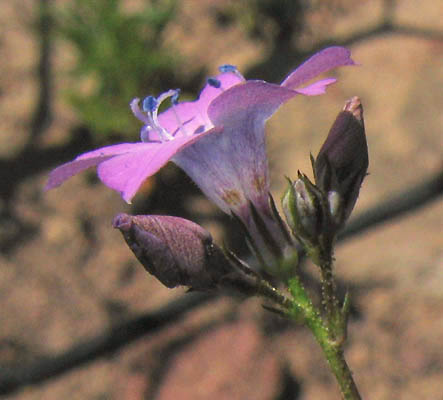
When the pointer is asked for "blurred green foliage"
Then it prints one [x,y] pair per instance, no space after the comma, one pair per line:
[121,55]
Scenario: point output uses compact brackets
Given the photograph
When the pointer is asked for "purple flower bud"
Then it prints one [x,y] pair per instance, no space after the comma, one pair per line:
[342,162]
[176,251]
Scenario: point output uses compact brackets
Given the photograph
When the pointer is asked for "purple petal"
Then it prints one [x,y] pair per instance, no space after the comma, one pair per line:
[231,167]
[185,119]
[112,150]
[193,114]
[316,88]
[257,97]
[211,169]
[320,62]
[126,172]
[227,80]
[86,160]
[66,171]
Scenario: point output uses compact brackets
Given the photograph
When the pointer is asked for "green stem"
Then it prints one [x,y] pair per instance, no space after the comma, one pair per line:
[336,360]
[333,350]
[330,302]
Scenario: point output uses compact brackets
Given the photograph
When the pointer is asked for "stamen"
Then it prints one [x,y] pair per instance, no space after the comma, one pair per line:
[230,68]
[214,83]
[150,107]
[174,101]
[137,112]
[164,96]
[227,68]
[161,99]
[150,104]
[144,134]
[174,98]
[149,116]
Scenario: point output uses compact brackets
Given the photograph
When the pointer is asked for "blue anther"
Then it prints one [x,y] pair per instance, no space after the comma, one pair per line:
[227,68]
[150,104]
[214,82]
[174,98]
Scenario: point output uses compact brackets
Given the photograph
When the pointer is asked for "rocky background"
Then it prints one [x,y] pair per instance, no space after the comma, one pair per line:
[67,278]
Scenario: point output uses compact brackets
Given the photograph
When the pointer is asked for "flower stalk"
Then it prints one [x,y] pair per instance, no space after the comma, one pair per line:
[325,332]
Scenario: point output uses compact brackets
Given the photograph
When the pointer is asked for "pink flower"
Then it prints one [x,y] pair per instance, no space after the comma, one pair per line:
[218,139]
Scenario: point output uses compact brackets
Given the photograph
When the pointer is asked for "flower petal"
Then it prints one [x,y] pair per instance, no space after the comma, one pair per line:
[184,119]
[86,160]
[316,88]
[320,62]
[257,97]
[192,115]
[227,80]
[126,172]
[112,150]
[66,171]
[231,167]
[211,169]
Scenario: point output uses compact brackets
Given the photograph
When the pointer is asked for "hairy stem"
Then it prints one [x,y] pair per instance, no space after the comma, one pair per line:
[329,298]
[336,360]
[325,332]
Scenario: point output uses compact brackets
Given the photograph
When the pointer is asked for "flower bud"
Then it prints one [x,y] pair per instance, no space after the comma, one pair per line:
[302,206]
[342,162]
[176,251]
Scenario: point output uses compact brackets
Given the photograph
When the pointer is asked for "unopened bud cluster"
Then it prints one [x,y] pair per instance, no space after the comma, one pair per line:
[315,212]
